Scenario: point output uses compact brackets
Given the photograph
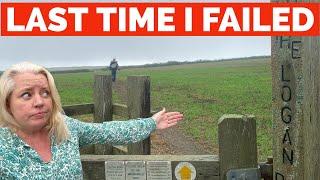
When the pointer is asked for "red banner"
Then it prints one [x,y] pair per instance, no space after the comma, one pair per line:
[160,19]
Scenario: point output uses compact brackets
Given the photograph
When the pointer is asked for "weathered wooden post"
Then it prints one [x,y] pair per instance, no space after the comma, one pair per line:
[287,99]
[311,107]
[237,143]
[295,99]
[102,99]
[139,106]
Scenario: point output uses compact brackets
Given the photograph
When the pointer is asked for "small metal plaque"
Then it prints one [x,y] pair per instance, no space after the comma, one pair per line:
[135,170]
[115,170]
[159,170]
[243,174]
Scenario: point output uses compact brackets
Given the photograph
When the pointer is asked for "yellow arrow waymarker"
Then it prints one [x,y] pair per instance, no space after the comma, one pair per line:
[185,173]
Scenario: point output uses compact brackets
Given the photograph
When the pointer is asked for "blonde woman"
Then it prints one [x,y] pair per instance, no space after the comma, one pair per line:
[39,142]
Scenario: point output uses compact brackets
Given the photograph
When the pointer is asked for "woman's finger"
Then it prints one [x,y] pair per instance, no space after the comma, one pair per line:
[172,120]
[172,124]
[163,111]
[172,113]
[178,116]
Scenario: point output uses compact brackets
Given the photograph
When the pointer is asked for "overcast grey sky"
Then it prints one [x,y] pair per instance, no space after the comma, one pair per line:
[96,51]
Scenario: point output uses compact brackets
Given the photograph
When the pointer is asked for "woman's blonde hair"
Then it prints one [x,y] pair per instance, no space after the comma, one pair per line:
[56,125]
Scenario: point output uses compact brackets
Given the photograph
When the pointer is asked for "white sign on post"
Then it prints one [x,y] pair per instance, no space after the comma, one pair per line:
[159,170]
[135,170]
[115,170]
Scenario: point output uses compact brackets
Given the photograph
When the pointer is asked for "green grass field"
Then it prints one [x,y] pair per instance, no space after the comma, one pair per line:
[203,92]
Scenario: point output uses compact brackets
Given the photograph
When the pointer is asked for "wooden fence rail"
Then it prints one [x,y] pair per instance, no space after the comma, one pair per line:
[81,109]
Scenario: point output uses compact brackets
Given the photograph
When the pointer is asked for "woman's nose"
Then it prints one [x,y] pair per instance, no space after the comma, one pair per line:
[38,101]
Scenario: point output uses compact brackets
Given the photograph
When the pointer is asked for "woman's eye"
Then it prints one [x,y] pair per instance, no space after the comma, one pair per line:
[26,95]
[45,93]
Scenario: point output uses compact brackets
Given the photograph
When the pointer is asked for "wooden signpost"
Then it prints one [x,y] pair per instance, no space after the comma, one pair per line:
[296,107]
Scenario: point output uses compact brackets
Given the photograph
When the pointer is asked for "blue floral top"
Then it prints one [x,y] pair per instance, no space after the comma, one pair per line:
[19,161]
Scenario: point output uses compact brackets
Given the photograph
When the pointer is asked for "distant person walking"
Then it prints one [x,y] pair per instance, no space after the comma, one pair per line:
[113,68]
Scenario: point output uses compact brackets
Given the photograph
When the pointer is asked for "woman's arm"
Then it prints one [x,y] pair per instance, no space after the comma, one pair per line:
[112,132]
[123,132]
